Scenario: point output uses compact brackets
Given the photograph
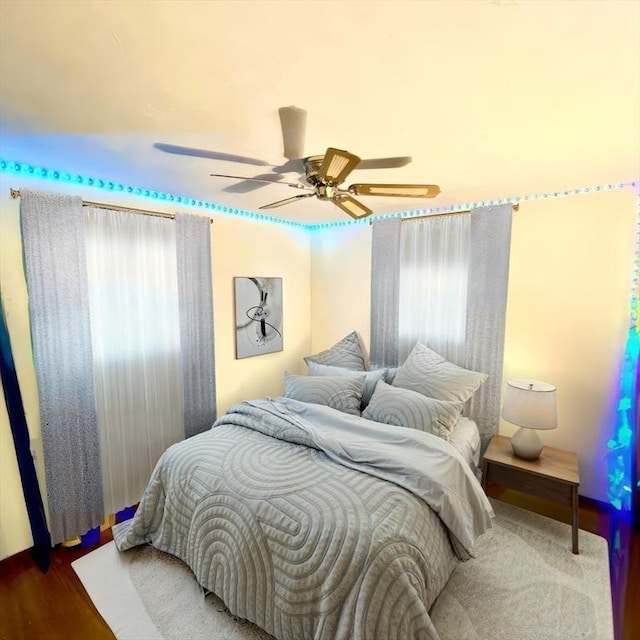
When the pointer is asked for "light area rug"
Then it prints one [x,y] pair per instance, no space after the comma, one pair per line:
[526,584]
[523,584]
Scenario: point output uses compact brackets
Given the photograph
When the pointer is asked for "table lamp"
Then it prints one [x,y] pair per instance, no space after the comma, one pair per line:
[530,404]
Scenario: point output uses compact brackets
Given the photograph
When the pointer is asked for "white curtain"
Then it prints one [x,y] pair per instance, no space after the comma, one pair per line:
[434,268]
[135,333]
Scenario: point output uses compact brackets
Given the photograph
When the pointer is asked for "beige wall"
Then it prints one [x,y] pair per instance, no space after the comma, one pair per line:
[340,284]
[567,317]
[244,248]
[240,247]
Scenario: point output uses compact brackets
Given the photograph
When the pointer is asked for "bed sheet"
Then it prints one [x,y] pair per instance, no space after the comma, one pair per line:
[465,437]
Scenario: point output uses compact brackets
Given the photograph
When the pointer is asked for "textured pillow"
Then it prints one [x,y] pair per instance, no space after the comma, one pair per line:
[339,392]
[346,353]
[432,375]
[370,377]
[405,408]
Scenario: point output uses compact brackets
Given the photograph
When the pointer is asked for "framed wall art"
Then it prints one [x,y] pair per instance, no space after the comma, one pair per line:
[258,316]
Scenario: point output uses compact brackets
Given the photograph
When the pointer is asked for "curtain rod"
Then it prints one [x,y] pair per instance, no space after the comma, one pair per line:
[515,207]
[435,215]
[15,194]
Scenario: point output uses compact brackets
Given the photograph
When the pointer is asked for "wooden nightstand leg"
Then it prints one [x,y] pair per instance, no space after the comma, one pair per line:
[574,519]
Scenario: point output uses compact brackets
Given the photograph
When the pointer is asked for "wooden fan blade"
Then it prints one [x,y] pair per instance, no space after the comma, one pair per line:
[384,163]
[279,203]
[351,206]
[336,166]
[293,122]
[398,190]
[213,155]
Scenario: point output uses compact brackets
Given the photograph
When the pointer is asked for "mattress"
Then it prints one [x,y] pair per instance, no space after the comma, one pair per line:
[465,437]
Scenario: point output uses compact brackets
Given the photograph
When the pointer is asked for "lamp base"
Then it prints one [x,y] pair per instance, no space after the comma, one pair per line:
[526,444]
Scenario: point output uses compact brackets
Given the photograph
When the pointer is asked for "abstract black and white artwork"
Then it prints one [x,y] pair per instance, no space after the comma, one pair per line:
[258,316]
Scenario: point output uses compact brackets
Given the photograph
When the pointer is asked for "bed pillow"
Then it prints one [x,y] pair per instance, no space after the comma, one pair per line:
[405,408]
[339,392]
[370,377]
[430,374]
[346,353]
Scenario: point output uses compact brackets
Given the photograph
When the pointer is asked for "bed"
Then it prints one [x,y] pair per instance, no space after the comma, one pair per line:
[315,522]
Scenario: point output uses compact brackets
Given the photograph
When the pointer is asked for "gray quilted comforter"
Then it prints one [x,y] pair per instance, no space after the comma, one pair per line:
[312,523]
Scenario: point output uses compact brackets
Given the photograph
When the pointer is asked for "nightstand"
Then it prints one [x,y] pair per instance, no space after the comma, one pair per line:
[554,476]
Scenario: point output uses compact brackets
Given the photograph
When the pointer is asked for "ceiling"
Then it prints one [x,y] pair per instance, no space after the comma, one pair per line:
[491,98]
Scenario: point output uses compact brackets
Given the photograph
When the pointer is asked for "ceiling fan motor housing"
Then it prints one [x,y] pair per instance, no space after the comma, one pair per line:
[312,166]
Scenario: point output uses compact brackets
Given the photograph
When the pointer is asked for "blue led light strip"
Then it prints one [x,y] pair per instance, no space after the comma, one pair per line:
[622,474]
[514,200]
[32,171]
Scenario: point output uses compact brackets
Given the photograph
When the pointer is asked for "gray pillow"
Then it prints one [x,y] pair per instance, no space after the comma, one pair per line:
[430,374]
[405,408]
[339,392]
[370,377]
[346,353]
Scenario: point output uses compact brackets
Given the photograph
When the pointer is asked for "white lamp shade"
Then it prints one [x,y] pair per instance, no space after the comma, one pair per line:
[531,404]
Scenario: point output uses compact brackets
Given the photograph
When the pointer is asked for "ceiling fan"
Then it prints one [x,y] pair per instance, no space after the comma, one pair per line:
[321,175]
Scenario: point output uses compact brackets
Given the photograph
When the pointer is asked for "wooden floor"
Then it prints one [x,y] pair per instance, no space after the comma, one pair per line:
[55,606]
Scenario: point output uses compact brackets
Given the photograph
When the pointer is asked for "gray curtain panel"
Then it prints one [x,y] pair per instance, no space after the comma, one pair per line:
[385,291]
[193,246]
[56,274]
[486,311]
